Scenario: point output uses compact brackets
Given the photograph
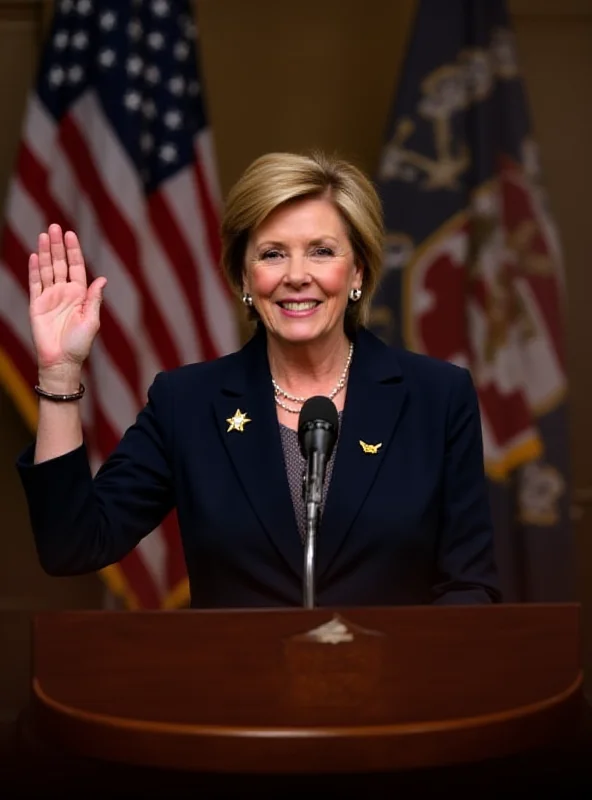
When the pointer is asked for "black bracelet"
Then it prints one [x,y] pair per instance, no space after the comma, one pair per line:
[60,398]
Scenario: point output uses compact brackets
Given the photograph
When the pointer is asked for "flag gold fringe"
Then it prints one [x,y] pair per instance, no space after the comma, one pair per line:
[22,395]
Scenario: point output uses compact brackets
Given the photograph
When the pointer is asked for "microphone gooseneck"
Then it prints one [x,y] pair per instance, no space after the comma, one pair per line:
[318,426]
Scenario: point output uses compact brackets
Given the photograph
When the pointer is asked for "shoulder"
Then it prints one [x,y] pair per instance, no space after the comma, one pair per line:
[446,388]
[203,372]
[191,381]
[433,371]
[416,369]
[428,366]
[201,381]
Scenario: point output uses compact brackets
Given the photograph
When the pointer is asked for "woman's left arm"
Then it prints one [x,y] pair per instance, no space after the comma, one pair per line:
[466,571]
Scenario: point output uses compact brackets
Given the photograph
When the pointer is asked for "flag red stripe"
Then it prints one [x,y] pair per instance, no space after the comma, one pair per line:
[120,235]
[210,217]
[181,259]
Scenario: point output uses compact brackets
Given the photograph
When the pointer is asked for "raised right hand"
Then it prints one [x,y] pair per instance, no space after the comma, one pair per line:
[63,311]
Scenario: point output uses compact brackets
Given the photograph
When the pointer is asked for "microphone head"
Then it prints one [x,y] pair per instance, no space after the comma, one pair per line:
[318,414]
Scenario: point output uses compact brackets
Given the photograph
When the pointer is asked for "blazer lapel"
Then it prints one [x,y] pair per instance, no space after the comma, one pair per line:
[256,451]
[375,399]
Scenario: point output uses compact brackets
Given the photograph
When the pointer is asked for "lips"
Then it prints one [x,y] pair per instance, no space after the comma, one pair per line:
[298,305]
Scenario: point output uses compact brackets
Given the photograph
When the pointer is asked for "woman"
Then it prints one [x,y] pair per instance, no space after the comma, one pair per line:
[405,511]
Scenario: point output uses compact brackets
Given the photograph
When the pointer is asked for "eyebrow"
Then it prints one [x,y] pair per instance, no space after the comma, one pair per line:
[316,240]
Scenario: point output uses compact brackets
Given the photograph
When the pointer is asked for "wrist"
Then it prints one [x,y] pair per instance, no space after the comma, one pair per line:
[60,380]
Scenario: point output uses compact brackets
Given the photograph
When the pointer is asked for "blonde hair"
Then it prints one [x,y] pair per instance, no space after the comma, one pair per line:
[278,178]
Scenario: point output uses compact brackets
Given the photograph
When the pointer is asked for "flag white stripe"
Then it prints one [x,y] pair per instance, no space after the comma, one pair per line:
[25,218]
[40,131]
[117,402]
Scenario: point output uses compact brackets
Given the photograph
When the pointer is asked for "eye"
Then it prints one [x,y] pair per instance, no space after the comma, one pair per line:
[323,252]
[271,255]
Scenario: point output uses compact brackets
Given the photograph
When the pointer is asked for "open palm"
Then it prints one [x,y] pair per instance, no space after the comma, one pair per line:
[64,312]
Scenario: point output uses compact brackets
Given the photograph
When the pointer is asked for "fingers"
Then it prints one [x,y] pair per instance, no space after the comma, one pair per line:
[44,259]
[59,259]
[94,295]
[58,254]
[35,287]
[75,258]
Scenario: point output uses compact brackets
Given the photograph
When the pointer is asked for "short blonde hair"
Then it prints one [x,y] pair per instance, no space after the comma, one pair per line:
[278,178]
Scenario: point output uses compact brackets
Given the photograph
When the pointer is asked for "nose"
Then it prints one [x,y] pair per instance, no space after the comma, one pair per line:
[297,273]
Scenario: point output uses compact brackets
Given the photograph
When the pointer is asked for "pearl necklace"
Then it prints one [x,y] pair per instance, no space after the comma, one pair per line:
[279,392]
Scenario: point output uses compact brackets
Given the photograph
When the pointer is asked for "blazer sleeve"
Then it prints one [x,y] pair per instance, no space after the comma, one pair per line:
[466,571]
[81,524]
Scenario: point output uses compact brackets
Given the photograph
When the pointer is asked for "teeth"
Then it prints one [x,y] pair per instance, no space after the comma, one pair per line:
[299,306]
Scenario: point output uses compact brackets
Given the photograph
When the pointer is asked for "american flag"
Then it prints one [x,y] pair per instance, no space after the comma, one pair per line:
[116,146]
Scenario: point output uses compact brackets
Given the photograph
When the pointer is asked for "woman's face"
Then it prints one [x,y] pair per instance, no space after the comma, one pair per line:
[299,270]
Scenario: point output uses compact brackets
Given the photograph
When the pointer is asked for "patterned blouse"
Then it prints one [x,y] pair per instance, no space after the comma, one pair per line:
[295,468]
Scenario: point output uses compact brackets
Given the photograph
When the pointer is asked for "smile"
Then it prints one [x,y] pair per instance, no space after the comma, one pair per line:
[300,306]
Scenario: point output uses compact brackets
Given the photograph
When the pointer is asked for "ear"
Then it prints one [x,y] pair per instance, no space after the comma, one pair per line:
[358,278]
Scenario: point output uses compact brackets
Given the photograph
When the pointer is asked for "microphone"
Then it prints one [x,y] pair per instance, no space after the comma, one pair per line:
[318,425]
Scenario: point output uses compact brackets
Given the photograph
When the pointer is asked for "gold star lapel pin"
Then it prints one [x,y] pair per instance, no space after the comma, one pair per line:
[372,449]
[238,421]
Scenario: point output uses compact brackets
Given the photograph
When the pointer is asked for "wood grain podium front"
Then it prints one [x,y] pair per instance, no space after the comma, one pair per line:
[306,692]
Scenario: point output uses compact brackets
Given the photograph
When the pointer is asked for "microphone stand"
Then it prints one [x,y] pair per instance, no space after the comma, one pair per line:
[313,494]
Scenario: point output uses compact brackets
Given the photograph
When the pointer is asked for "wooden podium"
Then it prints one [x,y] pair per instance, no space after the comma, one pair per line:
[306,692]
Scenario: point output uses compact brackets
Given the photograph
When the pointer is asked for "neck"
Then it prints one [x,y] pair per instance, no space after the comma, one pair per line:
[308,368]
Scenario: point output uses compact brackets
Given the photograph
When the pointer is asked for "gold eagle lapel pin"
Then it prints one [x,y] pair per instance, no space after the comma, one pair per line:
[238,421]
[371,449]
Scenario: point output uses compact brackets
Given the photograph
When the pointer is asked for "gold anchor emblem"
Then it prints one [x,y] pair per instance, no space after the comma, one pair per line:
[372,449]
[237,422]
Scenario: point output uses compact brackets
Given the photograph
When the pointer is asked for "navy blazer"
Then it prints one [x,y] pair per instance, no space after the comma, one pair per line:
[409,524]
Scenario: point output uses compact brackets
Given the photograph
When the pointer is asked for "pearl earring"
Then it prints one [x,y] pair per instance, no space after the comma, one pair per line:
[355,294]
[247,299]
